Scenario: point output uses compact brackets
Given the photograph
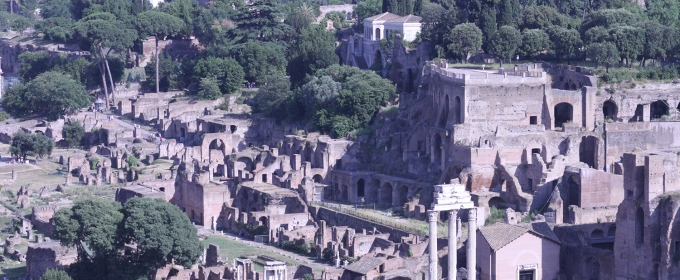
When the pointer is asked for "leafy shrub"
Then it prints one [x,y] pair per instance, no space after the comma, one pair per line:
[132,160]
[94,161]
[3,116]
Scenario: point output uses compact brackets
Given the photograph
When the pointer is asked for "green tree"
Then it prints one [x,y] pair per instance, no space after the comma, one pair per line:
[260,20]
[603,53]
[24,144]
[73,133]
[131,161]
[566,42]
[55,9]
[211,25]
[272,96]
[313,51]
[51,94]
[464,40]
[298,21]
[506,13]
[540,17]
[608,18]
[20,25]
[487,22]
[54,274]
[666,12]
[160,25]
[659,40]
[365,9]
[629,41]
[57,29]
[167,73]
[186,10]
[226,71]
[505,42]
[209,88]
[102,31]
[260,59]
[319,93]
[597,34]
[534,41]
[162,232]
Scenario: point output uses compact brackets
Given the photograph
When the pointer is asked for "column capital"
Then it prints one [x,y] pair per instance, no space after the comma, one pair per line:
[472,214]
[453,213]
[432,215]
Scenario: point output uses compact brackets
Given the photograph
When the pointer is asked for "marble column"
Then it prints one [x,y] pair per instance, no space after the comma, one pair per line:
[453,243]
[432,219]
[472,244]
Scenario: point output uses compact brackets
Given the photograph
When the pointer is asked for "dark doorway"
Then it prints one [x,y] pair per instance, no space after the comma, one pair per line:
[638,114]
[444,116]
[658,109]
[588,151]
[361,185]
[457,113]
[533,120]
[610,110]
[526,274]
[564,113]
[437,148]
[574,192]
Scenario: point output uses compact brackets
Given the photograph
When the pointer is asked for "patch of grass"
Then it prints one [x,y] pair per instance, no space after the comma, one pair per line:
[497,215]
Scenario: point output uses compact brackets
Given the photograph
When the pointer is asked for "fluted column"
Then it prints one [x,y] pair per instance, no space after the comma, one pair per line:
[472,244]
[432,219]
[453,243]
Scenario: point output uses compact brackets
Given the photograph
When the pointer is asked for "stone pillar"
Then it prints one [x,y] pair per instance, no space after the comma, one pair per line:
[432,219]
[646,114]
[453,244]
[472,244]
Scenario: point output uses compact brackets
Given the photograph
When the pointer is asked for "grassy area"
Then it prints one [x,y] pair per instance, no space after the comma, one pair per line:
[231,249]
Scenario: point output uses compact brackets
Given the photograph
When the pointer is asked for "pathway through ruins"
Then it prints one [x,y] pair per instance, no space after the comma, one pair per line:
[300,258]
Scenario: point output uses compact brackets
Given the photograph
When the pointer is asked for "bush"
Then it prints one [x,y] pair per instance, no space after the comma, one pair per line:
[132,160]
[3,116]
[209,89]
[93,163]
[53,274]
[73,133]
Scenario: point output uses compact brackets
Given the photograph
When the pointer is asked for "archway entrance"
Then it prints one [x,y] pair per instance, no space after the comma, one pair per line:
[377,34]
[587,152]
[402,197]
[564,113]
[610,110]
[498,203]
[361,188]
[658,109]
[386,194]
[444,116]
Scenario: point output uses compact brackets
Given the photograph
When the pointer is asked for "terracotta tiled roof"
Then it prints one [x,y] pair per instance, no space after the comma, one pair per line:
[501,234]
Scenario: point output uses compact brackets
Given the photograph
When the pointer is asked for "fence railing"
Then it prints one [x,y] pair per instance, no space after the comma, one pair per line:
[350,210]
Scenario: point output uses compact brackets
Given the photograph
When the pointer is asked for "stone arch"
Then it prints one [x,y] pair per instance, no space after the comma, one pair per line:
[564,113]
[658,109]
[317,178]
[597,234]
[498,202]
[377,34]
[587,152]
[457,112]
[386,194]
[402,196]
[361,188]
[610,110]
[216,144]
[247,163]
[263,221]
[612,231]
[639,226]
[574,192]
[444,116]
[437,146]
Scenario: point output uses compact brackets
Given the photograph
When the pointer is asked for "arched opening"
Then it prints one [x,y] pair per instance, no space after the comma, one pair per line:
[216,144]
[658,109]
[588,151]
[639,226]
[161,189]
[597,234]
[564,113]
[402,197]
[361,188]
[457,113]
[593,270]
[574,192]
[637,117]
[437,148]
[263,221]
[612,231]
[246,163]
[610,110]
[232,128]
[317,178]
[498,203]
[444,116]
[386,194]
[377,34]
[39,132]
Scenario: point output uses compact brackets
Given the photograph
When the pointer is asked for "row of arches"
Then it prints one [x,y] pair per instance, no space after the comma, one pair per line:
[564,112]
[382,194]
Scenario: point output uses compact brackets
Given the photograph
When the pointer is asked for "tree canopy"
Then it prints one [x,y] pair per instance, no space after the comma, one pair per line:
[25,144]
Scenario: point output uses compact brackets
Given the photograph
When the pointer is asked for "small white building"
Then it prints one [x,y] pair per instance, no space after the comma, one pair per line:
[379,26]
